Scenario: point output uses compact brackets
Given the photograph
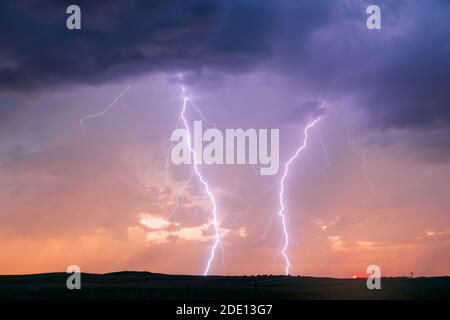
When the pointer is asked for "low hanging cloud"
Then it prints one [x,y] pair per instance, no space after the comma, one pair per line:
[161,230]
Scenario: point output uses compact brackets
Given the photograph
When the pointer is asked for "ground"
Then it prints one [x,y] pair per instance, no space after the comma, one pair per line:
[145,285]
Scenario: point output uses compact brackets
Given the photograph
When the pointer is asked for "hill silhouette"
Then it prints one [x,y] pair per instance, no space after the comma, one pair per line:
[157,286]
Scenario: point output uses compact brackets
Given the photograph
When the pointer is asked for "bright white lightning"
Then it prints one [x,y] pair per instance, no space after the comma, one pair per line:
[211,197]
[282,210]
[98,114]
[187,103]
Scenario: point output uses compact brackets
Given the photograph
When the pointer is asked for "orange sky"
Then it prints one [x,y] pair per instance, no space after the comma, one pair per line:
[101,200]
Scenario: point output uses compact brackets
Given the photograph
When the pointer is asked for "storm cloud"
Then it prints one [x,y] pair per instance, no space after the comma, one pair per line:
[399,75]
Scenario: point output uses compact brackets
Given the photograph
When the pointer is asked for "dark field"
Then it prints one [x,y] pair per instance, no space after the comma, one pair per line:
[144,285]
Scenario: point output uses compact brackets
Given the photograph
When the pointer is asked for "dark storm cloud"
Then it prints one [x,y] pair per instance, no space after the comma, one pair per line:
[399,75]
[120,38]
[411,88]
[128,37]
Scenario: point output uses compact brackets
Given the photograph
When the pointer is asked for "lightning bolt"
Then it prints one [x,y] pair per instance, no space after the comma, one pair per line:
[101,113]
[212,199]
[182,121]
[281,212]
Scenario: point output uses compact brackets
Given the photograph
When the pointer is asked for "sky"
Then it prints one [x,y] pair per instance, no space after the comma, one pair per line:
[371,186]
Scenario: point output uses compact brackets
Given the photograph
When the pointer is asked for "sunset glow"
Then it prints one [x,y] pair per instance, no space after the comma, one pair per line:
[86,119]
